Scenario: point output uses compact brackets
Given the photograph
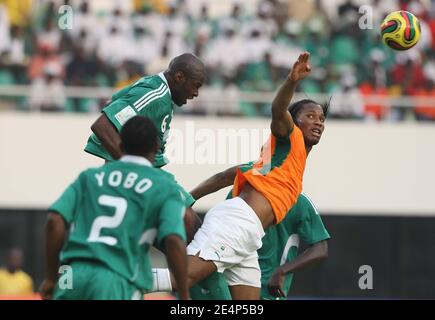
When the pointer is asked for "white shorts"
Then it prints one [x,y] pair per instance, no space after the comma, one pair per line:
[230,237]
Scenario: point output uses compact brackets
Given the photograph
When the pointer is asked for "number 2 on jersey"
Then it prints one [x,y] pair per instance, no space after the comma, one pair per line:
[120,205]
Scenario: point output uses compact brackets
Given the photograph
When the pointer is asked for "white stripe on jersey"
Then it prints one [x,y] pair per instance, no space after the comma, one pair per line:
[311,202]
[151,99]
[146,95]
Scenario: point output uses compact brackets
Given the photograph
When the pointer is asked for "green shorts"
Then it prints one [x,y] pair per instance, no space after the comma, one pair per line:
[94,281]
[214,287]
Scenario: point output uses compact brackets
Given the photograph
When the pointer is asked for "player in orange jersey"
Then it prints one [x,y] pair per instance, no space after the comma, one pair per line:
[263,193]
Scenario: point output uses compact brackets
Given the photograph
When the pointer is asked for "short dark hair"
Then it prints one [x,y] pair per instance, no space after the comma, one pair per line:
[187,63]
[139,136]
[297,106]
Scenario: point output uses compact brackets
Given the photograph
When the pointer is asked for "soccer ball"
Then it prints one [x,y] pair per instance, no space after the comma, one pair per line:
[400,30]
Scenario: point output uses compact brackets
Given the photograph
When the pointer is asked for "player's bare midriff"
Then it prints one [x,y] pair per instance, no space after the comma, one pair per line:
[259,204]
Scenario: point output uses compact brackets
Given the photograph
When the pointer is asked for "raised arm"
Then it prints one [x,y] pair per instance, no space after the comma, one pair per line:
[282,122]
[108,135]
[215,183]
[314,254]
[55,231]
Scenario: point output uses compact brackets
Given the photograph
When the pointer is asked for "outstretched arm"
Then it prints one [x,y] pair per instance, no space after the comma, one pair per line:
[55,231]
[314,254]
[108,135]
[282,122]
[215,183]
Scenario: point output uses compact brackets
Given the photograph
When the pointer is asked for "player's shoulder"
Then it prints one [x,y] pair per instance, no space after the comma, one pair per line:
[150,90]
[296,132]
[151,82]
[306,205]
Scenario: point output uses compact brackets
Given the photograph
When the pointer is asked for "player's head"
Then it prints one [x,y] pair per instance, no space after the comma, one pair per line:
[310,117]
[186,74]
[139,137]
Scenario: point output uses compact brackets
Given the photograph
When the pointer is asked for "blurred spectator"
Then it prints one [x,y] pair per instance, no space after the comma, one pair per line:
[80,71]
[429,67]
[348,102]
[320,23]
[131,72]
[160,6]
[301,10]
[13,59]
[234,21]
[409,75]
[423,110]
[13,280]
[150,22]
[348,15]
[176,21]
[19,12]
[113,48]
[202,28]
[48,93]
[161,62]
[119,20]
[257,76]
[264,21]
[49,36]
[46,72]
[348,8]
[381,8]
[45,55]
[257,46]
[225,56]
[85,21]
[373,110]
[4,29]
[344,49]
[145,47]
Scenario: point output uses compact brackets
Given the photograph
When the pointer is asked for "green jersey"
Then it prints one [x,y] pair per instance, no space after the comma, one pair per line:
[115,212]
[149,97]
[280,244]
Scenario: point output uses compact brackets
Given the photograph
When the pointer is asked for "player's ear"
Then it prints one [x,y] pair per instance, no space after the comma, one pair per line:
[179,77]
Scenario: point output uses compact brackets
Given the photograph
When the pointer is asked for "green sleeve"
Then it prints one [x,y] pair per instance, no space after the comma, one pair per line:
[311,228]
[120,92]
[123,108]
[67,203]
[119,112]
[171,219]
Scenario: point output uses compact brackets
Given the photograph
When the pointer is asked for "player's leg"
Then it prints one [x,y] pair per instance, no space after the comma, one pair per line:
[231,233]
[241,292]
[94,281]
[197,270]
[214,287]
[244,279]
[192,223]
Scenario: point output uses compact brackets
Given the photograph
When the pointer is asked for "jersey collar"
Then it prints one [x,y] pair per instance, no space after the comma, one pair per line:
[162,76]
[136,159]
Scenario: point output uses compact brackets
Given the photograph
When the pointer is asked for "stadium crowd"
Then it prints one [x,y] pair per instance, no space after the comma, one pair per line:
[244,50]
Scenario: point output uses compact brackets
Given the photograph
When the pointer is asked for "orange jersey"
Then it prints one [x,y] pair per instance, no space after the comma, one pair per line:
[278,173]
